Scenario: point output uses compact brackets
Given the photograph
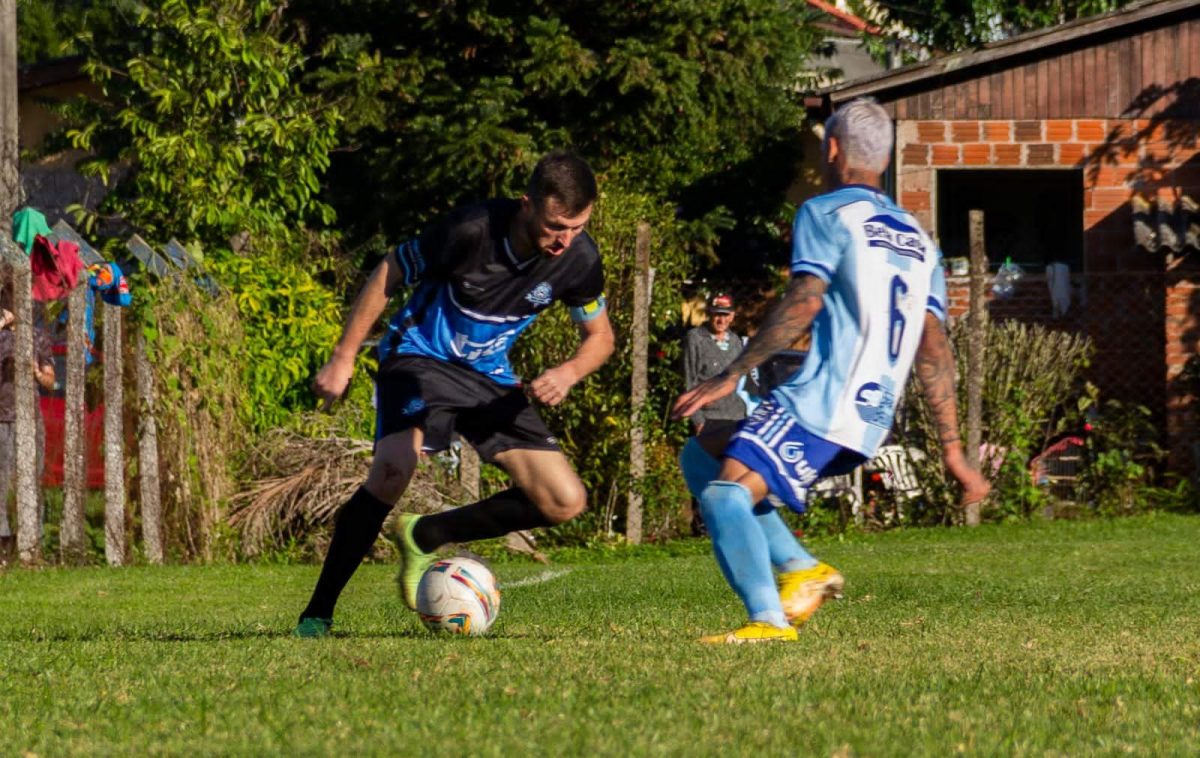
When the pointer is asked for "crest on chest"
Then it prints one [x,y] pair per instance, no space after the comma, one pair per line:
[541,295]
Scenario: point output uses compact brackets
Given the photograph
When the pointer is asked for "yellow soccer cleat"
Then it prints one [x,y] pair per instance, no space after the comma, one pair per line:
[755,631]
[802,592]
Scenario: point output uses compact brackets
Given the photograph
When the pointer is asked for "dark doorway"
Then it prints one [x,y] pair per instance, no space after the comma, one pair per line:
[1033,216]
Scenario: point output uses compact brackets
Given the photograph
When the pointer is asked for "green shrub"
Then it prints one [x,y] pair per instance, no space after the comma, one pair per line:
[1029,372]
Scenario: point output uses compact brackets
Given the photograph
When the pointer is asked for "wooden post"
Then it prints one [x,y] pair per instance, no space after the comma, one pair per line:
[114,440]
[10,167]
[71,535]
[149,487]
[641,348]
[976,323]
[29,532]
[29,515]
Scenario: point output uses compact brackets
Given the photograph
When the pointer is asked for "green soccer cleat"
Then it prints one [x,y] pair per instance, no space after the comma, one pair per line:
[413,560]
[313,628]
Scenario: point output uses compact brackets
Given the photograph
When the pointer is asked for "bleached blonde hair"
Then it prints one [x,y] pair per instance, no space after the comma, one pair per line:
[863,130]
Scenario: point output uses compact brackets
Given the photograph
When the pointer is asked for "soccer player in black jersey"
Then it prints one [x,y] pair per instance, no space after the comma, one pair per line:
[479,278]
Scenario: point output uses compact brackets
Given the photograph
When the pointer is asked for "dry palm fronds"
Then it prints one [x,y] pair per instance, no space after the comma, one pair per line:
[301,482]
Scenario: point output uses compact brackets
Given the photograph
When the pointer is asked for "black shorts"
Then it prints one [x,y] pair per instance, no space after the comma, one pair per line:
[441,399]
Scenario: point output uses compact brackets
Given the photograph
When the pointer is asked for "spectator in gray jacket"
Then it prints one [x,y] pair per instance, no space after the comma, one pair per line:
[708,349]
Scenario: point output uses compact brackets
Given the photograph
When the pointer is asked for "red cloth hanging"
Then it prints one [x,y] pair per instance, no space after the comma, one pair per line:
[55,267]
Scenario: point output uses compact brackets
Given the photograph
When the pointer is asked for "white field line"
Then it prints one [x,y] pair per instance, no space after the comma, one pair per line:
[545,576]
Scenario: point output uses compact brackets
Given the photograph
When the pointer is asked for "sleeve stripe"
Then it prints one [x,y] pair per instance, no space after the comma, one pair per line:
[409,255]
[403,263]
[819,270]
[934,307]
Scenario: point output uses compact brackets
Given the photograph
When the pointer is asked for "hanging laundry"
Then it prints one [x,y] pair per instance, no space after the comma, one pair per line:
[55,268]
[107,279]
[28,223]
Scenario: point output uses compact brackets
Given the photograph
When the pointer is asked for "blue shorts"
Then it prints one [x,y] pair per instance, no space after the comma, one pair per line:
[786,455]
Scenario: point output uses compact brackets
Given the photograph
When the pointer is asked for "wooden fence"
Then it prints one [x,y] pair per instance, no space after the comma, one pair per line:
[72,534]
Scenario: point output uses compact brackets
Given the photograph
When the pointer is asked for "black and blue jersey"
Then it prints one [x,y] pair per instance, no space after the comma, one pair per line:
[473,296]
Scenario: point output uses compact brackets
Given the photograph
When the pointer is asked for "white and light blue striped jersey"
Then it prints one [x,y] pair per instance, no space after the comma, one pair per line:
[883,273]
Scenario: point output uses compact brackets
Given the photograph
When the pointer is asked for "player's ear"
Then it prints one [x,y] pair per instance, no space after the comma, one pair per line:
[831,150]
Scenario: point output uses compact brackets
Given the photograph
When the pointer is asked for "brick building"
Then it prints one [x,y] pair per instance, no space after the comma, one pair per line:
[1081,144]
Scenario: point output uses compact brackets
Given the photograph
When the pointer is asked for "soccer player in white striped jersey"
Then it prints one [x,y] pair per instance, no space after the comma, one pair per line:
[868,281]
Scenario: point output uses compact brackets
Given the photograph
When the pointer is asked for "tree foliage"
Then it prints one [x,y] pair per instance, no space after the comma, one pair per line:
[953,25]
[450,100]
[204,131]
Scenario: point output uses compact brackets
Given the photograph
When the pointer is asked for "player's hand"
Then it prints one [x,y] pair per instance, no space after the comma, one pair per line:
[331,381]
[974,486]
[552,386]
[702,394]
[6,318]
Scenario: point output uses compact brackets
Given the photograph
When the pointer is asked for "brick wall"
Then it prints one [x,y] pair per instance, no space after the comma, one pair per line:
[1144,321]
[1119,157]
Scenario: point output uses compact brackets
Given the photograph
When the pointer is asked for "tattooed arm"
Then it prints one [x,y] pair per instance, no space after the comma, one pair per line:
[935,368]
[790,318]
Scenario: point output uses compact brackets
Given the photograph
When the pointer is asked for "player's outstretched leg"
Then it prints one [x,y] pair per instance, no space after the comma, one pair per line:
[358,525]
[741,551]
[548,492]
[787,554]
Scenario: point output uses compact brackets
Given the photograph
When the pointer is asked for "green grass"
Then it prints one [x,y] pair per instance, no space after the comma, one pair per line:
[1045,639]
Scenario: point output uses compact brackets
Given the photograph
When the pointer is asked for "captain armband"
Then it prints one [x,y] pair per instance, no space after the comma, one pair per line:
[588,311]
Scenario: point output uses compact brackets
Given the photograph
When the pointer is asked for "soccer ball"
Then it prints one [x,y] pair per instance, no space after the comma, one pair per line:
[459,596]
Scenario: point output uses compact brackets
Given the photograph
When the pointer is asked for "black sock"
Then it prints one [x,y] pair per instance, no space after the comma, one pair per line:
[504,512]
[358,524]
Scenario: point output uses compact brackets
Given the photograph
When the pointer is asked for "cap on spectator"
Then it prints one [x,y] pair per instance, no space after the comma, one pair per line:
[721,302]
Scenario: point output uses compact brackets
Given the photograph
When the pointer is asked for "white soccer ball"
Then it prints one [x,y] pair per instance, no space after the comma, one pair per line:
[459,596]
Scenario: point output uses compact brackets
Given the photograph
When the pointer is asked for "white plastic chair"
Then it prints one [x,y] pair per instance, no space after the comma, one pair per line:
[893,463]
[848,486]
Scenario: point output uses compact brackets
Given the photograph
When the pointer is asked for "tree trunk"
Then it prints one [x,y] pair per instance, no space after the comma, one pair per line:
[71,535]
[641,349]
[976,322]
[114,440]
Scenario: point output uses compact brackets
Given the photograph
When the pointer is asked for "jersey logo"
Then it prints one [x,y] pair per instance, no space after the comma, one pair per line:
[793,452]
[467,349]
[540,295]
[875,404]
[884,231]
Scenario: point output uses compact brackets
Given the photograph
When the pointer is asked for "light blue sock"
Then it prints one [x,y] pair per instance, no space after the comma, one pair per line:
[787,554]
[741,549]
[700,468]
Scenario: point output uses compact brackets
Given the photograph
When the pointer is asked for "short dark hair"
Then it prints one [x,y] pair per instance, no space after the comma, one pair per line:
[566,177]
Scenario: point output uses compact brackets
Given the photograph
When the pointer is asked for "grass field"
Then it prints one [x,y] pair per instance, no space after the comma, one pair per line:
[1044,639]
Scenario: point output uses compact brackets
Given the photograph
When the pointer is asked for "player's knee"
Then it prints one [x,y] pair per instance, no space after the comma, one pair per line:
[566,502]
[390,474]
[720,496]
